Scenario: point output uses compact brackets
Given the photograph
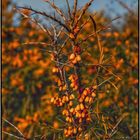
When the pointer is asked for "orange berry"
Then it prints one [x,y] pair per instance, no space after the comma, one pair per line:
[90,100]
[70,77]
[88,119]
[87,99]
[78,58]
[65,131]
[81,100]
[72,96]
[67,119]
[83,115]
[70,103]
[72,56]
[77,107]
[75,88]
[69,132]
[55,70]
[93,94]
[74,130]
[85,92]
[61,104]
[79,129]
[76,29]
[70,120]
[95,87]
[60,88]
[71,36]
[52,100]
[59,83]
[67,99]
[55,124]
[71,110]
[74,61]
[64,112]
[69,127]
[66,135]
[81,106]
[72,85]
[64,87]
[80,120]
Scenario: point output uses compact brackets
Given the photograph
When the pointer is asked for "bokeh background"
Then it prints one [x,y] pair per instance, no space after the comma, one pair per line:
[27,76]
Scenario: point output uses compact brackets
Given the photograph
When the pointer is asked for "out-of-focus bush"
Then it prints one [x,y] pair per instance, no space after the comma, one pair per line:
[27,84]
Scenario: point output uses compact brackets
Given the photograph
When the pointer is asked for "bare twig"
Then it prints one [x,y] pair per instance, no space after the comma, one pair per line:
[83,12]
[13,126]
[46,15]
[69,11]
[93,34]
[59,33]
[75,8]
[59,11]
[36,22]
[120,119]
[12,135]
[125,6]
[98,41]
[36,43]
[63,45]
[98,31]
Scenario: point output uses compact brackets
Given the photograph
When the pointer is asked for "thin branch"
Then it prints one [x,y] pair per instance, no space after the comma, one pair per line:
[125,6]
[83,11]
[111,72]
[35,21]
[57,9]
[36,43]
[69,11]
[105,81]
[46,15]
[12,135]
[98,41]
[82,26]
[110,83]
[63,45]
[99,30]
[63,64]
[64,73]
[59,33]
[93,34]
[121,118]
[55,33]
[13,126]
[74,9]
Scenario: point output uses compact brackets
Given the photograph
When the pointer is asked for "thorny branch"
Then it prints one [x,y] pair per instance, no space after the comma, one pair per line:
[46,15]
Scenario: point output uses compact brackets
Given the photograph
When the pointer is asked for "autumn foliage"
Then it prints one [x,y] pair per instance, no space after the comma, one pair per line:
[74,79]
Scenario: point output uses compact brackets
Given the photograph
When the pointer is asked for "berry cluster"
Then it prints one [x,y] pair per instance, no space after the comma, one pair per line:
[74,82]
[75,58]
[60,101]
[70,131]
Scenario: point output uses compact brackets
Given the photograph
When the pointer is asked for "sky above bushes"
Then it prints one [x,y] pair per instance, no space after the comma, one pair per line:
[111,7]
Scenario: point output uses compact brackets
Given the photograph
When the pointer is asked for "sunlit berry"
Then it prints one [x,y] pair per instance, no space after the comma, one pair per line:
[79,129]
[55,70]
[72,96]
[74,130]
[81,106]
[78,58]
[74,61]
[87,99]
[93,94]
[70,103]
[72,56]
